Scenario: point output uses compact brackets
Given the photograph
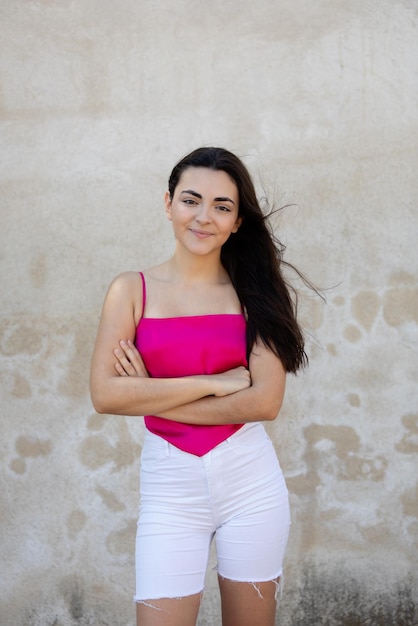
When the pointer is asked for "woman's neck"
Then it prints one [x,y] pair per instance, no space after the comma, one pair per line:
[195,269]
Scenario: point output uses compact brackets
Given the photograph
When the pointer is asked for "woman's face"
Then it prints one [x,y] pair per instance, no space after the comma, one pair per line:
[204,209]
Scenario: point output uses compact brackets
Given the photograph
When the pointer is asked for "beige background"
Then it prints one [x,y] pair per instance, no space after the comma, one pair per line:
[98,99]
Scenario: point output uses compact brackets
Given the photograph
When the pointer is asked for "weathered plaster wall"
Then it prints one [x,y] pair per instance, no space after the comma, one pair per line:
[97,101]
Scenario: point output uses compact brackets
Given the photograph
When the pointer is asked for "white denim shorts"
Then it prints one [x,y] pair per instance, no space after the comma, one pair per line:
[235,493]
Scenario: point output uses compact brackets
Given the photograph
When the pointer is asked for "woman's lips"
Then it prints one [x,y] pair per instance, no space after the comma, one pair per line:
[200,234]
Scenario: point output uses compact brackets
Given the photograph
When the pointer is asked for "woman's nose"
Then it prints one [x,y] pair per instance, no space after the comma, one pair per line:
[203,215]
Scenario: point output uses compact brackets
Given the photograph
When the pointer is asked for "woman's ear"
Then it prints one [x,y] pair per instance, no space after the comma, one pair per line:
[167,201]
[237,225]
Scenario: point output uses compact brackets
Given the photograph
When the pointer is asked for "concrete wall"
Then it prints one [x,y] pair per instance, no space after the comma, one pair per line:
[98,99]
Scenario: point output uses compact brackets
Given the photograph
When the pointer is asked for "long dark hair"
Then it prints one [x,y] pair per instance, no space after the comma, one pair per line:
[253,258]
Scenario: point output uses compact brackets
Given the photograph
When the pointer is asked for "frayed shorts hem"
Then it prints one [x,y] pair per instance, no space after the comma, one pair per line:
[277,580]
[256,579]
[148,601]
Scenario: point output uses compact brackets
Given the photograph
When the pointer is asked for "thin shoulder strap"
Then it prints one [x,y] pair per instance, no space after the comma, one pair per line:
[144,293]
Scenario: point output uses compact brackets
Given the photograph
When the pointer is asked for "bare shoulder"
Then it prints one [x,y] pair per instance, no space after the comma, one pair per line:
[126,279]
[125,290]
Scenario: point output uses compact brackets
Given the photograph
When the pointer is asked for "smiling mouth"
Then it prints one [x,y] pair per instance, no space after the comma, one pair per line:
[202,234]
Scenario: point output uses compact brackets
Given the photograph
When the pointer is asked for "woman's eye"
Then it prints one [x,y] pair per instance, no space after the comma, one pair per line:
[189,201]
[223,208]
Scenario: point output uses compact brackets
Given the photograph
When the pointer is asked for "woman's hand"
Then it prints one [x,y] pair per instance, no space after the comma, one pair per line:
[231,381]
[129,361]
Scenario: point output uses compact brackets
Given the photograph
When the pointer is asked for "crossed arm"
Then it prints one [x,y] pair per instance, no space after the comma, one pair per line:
[120,384]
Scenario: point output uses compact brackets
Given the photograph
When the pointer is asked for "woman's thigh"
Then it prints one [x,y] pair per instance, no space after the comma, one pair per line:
[175,524]
[252,538]
[248,604]
[168,611]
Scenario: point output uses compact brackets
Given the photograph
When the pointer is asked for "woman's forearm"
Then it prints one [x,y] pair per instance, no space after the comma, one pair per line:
[248,405]
[141,395]
[135,396]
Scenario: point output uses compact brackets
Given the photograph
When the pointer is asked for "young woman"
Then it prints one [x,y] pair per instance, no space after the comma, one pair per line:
[200,345]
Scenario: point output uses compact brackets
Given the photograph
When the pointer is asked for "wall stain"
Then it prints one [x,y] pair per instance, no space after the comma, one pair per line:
[21,387]
[339,301]
[352,333]
[75,523]
[339,597]
[377,534]
[409,500]
[73,593]
[359,468]
[400,305]
[351,466]
[303,484]
[96,450]
[29,447]
[409,442]
[402,277]
[329,515]
[121,541]
[413,532]
[17,336]
[126,451]
[313,314]
[365,306]
[18,466]
[343,452]
[345,439]
[75,383]
[110,499]
[33,447]
[96,421]
[38,270]
[354,399]
[332,349]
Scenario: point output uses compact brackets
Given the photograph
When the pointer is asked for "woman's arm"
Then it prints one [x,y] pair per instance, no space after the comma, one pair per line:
[259,402]
[141,395]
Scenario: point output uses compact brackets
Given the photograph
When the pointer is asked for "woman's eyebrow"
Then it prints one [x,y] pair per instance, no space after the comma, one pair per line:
[198,195]
[192,193]
[224,199]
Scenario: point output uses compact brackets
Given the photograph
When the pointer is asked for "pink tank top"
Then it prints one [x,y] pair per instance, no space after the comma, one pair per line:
[186,346]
